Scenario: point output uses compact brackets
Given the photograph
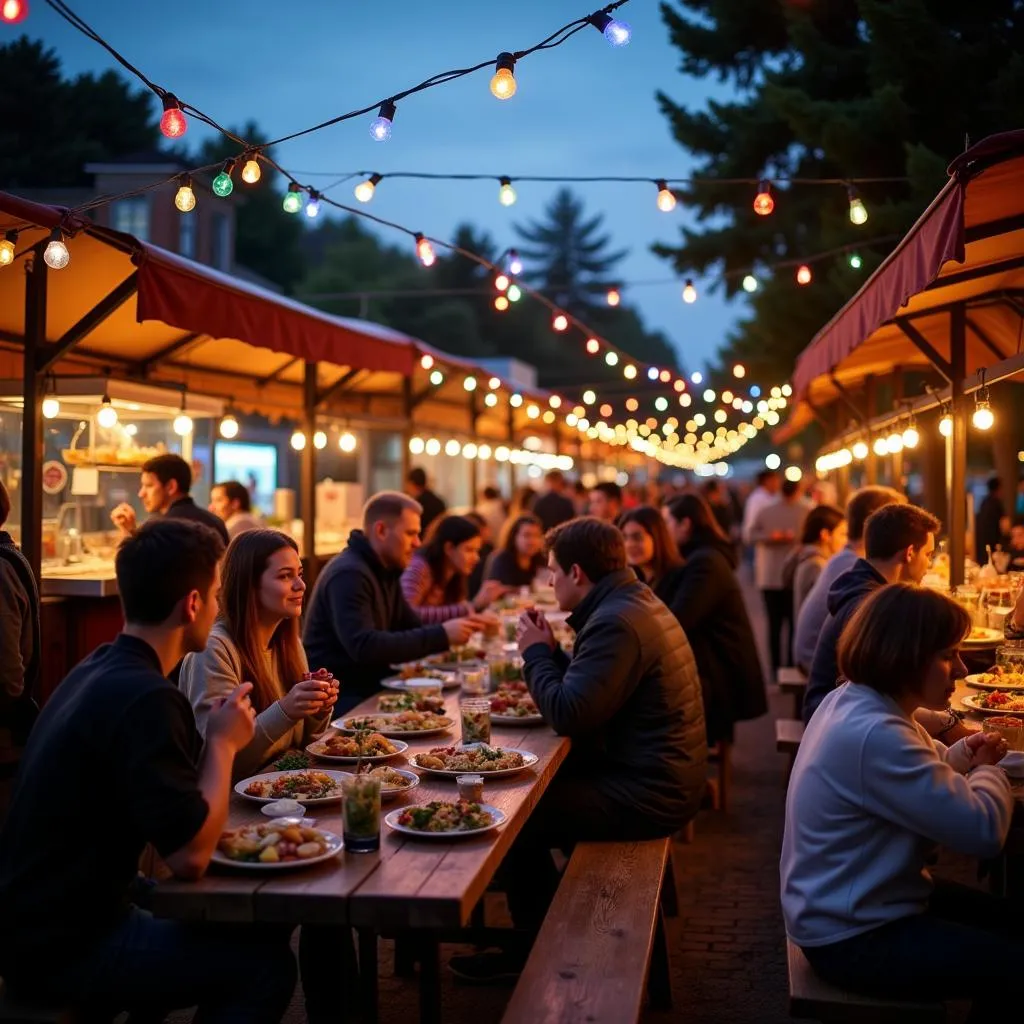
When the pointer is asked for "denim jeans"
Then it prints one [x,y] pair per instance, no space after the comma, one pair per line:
[966,945]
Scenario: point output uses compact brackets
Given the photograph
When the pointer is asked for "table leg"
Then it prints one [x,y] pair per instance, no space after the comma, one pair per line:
[430,979]
[368,988]
[405,955]
[659,978]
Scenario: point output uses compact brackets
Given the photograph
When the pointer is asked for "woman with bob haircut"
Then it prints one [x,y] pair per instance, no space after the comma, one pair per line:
[871,797]
[520,553]
[650,550]
[256,640]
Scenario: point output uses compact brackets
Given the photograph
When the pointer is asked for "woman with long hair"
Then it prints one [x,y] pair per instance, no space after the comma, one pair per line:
[520,553]
[870,800]
[824,535]
[650,550]
[256,639]
[436,583]
[708,603]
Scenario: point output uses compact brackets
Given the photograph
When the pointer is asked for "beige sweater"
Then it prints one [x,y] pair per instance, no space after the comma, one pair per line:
[214,673]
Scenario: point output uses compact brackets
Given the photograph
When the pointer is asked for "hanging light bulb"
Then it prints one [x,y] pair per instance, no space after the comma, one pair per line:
[515,293]
[860,450]
[424,251]
[750,283]
[613,298]
[894,443]
[983,417]
[313,205]
[380,126]
[611,358]
[10,239]
[803,274]
[618,33]
[501,282]
[56,255]
[506,193]
[501,303]
[666,201]
[515,400]
[763,201]
[293,199]
[223,185]
[298,441]
[416,445]
[436,378]
[107,416]
[490,399]
[347,442]
[229,427]
[320,440]
[559,322]
[515,264]
[427,361]
[51,408]
[433,446]
[185,198]
[946,425]
[172,121]
[251,172]
[858,211]
[182,424]
[13,11]
[880,446]
[503,84]
[470,383]
[593,346]
[689,292]
[855,261]
[365,189]
[910,436]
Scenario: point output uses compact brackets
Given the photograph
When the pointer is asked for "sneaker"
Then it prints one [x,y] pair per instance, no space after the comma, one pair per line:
[491,968]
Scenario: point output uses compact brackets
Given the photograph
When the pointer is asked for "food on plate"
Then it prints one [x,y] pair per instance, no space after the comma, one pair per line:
[999,701]
[1000,676]
[442,816]
[309,785]
[293,760]
[271,844]
[483,758]
[513,700]
[404,721]
[389,778]
[506,671]
[421,670]
[362,744]
[981,633]
[410,701]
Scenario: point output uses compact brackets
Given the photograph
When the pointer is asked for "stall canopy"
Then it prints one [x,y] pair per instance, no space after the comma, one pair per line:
[966,252]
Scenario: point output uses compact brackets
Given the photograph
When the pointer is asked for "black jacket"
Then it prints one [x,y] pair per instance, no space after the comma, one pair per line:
[845,596]
[705,596]
[433,506]
[186,508]
[553,509]
[630,699]
[359,624]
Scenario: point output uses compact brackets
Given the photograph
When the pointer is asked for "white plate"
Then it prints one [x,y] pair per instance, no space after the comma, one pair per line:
[334,847]
[450,682]
[977,682]
[341,726]
[391,820]
[969,702]
[388,795]
[990,636]
[338,778]
[529,760]
[400,748]
[516,719]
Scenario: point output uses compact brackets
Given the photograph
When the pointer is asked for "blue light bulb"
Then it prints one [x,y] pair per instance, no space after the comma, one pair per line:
[618,33]
[380,129]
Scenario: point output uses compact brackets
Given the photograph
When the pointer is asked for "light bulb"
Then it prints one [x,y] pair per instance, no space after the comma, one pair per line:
[593,346]
[772,461]
[452,447]
[880,446]
[911,437]
[469,383]
[589,398]
[503,84]
[469,450]
[425,251]
[501,282]
[515,293]
[739,370]
[13,11]
[559,322]
[946,426]
[436,378]
[515,264]
[983,417]
[185,198]
[251,172]
[855,261]
[131,429]
[56,255]
[107,416]
[515,400]
[173,123]
[555,402]
[666,201]
[347,442]
[313,206]
[365,189]
[750,283]
[860,450]
[618,33]
[709,395]
[689,293]
[629,372]
[433,446]
[803,274]
[320,440]
[416,445]
[380,126]
[894,443]
[611,358]
[7,249]
[298,441]
[182,424]
[501,303]
[426,361]
[491,400]
[223,185]
[293,199]
[763,201]
[506,193]
[613,298]
[51,408]
[858,211]
[483,452]
[228,428]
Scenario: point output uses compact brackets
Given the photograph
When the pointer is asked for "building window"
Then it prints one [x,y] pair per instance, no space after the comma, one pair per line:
[132,216]
[187,235]
[221,241]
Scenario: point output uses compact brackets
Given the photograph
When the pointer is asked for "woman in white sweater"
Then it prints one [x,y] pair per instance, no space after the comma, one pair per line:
[256,639]
[871,797]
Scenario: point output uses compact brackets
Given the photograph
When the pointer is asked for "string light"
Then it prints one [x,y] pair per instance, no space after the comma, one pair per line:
[51,408]
[501,303]
[910,436]
[858,211]
[613,298]
[7,248]
[894,443]
[750,283]
[223,185]
[380,126]
[13,11]
[107,415]
[763,201]
[501,282]
[593,346]
[803,274]
[365,189]
[173,123]
[56,255]
[320,440]
[515,264]
[298,440]
[506,193]
[689,292]
[560,322]
[469,383]
[426,361]
[515,400]
[490,399]
[424,251]
[293,199]
[618,33]
[515,293]
[228,428]
[347,442]
[503,84]
[433,446]
[666,201]
[251,172]
[313,205]
[855,261]
[946,425]
[983,417]
[185,198]
[880,446]
[436,378]
[611,358]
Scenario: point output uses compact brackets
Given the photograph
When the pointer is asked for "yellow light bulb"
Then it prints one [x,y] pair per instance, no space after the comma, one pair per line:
[51,408]
[182,424]
[506,194]
[6,252]
[983,417]
[347,442]
[251,172]
[946,426]
[298,440]
[320,440]
[185,199]
[503,84]
[666,201]
[229,427]
[911,437]
[364,191]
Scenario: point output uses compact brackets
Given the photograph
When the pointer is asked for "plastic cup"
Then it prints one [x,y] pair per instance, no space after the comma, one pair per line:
[361,813]
[476,720]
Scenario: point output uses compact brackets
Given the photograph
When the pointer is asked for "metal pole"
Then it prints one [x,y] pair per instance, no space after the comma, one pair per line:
[407,431]
[308,478]
[474,479]
[956,447]
[32,439]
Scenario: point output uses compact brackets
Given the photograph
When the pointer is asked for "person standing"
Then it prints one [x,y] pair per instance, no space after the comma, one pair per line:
[991,524]
[164,491]
[765,493]
[432,505]
[232,503]
[554,506]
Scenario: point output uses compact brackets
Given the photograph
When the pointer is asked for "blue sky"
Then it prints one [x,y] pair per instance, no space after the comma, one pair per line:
[580,109]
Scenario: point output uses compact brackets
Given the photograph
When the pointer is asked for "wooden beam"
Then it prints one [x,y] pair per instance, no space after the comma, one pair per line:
[308,474]
[956,449]
[1003,226]
[144,366]
[973,273]
[271,377]
[924,345]
[846,397]
[983,337]
[338,385]
[32,441]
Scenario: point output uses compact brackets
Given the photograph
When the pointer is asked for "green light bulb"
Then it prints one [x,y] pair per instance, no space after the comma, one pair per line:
[514,293]
[292,202]
[855,261]
[223,185]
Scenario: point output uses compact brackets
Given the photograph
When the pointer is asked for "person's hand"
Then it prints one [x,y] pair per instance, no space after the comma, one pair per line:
[1017,616]
[460,630]
[491,591]
[305,698]
[123,517]
[985,748]
[232,719]
[332,686]
[534,628]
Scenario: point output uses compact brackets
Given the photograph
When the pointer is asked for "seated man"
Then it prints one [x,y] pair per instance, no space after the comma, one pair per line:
[358,624]
[231,502]
[113,763]
[630,698]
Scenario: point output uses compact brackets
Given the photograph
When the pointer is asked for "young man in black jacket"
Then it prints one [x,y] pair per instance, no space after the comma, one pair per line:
[358,624]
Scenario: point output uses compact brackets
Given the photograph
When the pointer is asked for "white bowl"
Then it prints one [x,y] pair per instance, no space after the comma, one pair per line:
[291,809]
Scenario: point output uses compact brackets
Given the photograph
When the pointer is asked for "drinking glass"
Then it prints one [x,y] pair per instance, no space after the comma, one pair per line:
[476,720]
[475,680]
[361,813]
[970,599]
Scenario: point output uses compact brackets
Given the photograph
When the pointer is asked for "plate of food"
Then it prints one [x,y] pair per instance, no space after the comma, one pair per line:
[269,847]
[401,723]
[981,636]
[513,705]
[347,749]
[308,787]
[419,676]
[995,702]
[409,700]
[393,781]
[495,762]
[997,679]
[441,818]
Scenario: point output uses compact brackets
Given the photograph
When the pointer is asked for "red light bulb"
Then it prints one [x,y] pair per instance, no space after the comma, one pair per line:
[763,202]
[425,251]
[172,122]
[803,274]
[13,11]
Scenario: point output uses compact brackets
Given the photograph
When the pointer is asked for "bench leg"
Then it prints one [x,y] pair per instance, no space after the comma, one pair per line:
[368,990]
[659,977]
[430,979]
[669,893]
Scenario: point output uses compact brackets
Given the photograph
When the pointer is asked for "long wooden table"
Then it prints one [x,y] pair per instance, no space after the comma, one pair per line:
[411,884]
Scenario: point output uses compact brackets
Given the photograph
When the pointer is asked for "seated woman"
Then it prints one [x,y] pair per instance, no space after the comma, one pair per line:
[256,640]
[436,583]
[872,796]
[651,551]
[824,535]
[708,603]
[520,554]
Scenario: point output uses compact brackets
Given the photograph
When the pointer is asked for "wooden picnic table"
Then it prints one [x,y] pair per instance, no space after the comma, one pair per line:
[409,885]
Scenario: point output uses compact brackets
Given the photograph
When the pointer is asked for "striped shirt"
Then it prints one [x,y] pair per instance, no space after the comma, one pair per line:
[426,595]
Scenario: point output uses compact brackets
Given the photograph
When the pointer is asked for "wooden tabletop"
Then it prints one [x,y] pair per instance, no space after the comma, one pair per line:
[409,883]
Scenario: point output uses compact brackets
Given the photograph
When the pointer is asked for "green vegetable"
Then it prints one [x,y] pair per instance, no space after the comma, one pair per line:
[292,760]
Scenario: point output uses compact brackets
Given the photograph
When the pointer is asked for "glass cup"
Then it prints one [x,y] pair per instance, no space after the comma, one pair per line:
[475,680]
[476,720]
[970,599]
[361,813]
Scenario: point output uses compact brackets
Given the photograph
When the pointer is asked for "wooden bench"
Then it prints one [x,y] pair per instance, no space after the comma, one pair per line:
[793,682]
[810,998]
[602,942]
